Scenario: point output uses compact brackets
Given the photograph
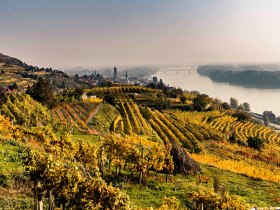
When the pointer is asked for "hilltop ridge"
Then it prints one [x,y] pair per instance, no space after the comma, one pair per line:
[11,61]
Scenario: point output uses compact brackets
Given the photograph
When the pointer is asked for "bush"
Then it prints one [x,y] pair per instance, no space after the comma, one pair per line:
[233,139]
[225,106]
[3,180]
[255,143]
[242,116]
[210,200]
[170,203]
[201,102]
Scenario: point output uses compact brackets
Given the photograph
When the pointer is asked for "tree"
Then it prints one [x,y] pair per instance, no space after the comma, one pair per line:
[255,143]
[201,102]
[161,103]
[42,92]
[265,120]
[278,119]
[175,93]
[225,106]
[183,99]
[240,107]
[242,116]
[78,92]
[111,99]
[246,107]
[233,103]
[14,86]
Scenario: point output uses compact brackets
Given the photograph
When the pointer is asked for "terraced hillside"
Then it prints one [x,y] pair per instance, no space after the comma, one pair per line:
[134,119]
[13,74]
[228,125]
[145,145]
[131,120]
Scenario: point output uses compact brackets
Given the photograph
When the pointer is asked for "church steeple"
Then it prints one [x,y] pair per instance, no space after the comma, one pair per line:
[115,74]
[126,77]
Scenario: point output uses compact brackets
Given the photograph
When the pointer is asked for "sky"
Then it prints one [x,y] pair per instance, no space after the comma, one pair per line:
[69,33]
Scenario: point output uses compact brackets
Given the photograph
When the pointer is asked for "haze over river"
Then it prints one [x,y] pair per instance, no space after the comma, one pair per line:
[260,100]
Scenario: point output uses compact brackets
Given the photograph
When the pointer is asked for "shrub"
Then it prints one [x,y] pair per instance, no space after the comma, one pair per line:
[242,116]
[255,143]
[210,200]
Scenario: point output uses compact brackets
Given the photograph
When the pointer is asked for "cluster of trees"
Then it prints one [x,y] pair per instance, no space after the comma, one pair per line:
[134,156]
[69,178]
[42,91]
[234,104]
[171,92]
[255,78]
[201,102]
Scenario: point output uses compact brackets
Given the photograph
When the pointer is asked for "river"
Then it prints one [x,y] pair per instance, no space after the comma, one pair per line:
[260,100]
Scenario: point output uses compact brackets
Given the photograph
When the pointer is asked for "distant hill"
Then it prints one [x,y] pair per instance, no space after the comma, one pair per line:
[13,70]
[11,61]
[248,76]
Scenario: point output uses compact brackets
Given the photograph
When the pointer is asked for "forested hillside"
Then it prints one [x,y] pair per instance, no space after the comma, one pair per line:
[256,77]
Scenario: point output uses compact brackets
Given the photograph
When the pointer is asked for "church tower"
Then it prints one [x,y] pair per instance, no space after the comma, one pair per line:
[126,78]
[115,78]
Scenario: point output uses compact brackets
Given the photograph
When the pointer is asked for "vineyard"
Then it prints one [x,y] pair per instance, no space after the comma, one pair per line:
[128,147]
[121,89]
[136,145]
[189,130]
[12,74]
[23,110]
[75,115]
[219,125]
[167,126]
[131,120]
[228,125]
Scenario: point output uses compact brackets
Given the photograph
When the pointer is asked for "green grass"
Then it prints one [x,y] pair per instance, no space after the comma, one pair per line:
[13,192]
[8,203]
[9,157]
[104,118]
[254,192]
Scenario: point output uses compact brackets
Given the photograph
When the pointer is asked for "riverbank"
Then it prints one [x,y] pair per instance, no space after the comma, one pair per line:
[259,118]
[247,78]
[260,100]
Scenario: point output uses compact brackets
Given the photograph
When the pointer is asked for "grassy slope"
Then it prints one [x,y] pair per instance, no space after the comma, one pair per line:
[104,118]
[255,192]
[13,191]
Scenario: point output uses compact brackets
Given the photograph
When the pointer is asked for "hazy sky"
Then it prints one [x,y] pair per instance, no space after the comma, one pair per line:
[67,33]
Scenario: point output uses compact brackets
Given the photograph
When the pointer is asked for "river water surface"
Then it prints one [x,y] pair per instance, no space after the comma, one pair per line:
[260,100]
